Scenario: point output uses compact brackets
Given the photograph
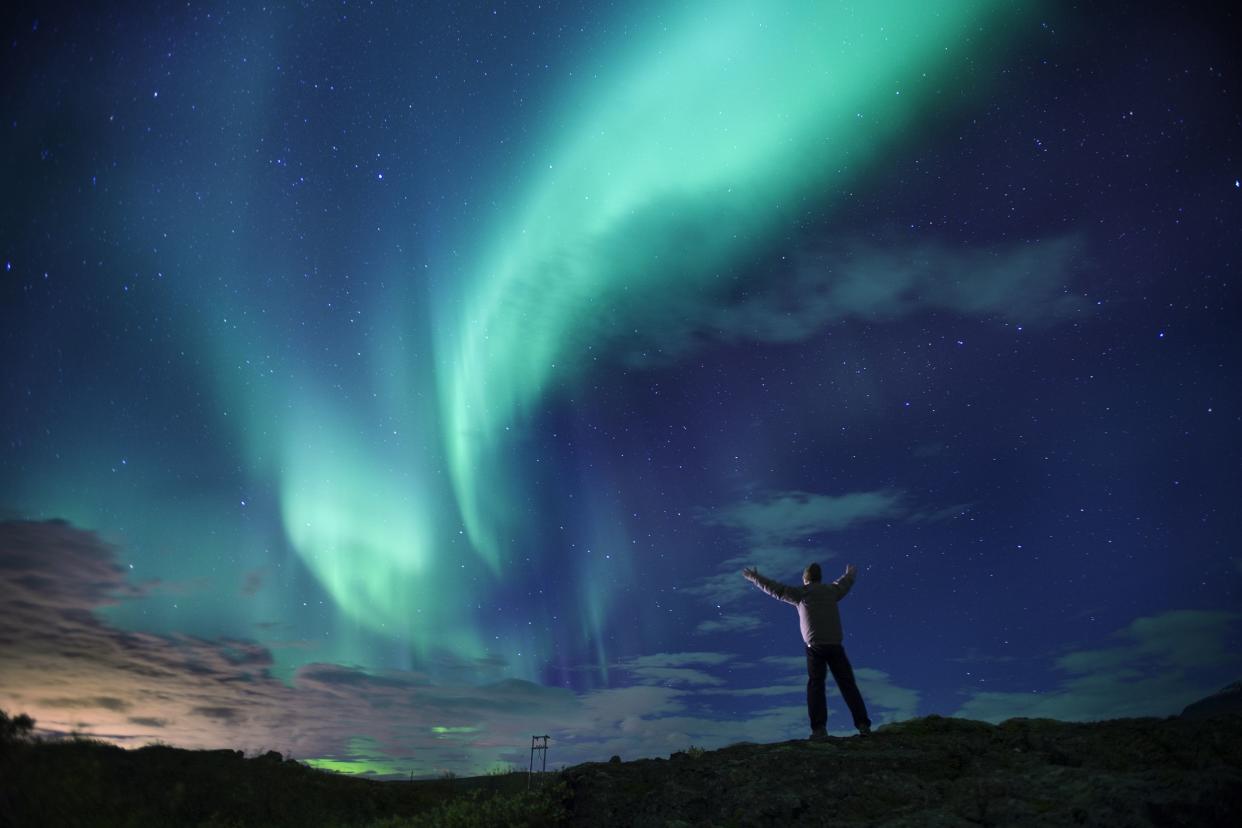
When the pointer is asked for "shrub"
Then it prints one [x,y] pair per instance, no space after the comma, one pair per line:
[16,729]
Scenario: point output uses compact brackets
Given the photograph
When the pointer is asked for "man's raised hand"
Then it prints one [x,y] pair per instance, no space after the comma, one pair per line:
[750,573]
[851,570]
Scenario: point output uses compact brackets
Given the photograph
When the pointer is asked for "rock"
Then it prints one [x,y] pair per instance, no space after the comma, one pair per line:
[937,771]
[1225,701]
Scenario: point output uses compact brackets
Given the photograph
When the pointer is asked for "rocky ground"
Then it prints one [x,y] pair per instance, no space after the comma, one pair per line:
[938,772]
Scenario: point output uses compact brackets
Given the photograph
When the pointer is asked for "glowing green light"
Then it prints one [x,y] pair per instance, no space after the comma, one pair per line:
[700,146]
[365,756]
[357,767]
[361,522]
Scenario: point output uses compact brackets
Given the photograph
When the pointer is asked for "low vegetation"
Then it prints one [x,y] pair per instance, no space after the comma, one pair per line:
[928,771]
[85,782]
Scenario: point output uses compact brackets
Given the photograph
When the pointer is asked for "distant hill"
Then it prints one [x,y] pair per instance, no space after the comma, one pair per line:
[1224,701]
[930,771]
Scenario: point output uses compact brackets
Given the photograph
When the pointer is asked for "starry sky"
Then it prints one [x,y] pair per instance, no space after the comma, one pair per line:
[386,383]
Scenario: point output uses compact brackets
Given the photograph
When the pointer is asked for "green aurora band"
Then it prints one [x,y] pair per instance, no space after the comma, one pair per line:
[719,130]
[705,142]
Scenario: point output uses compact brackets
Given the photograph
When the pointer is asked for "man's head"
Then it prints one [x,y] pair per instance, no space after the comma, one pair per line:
[811,575]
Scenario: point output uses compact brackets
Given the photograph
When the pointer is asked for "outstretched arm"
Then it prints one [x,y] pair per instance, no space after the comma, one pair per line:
[846,581]
[783,592]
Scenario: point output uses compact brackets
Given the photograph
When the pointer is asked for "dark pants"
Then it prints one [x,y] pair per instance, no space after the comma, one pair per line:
[819,660]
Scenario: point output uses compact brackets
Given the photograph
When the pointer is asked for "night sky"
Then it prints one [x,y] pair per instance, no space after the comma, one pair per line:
[385,384]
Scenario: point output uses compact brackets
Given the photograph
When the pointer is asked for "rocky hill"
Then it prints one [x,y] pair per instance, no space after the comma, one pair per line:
[938,772]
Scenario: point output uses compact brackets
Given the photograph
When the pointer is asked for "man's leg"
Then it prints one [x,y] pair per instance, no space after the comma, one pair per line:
[816,694]
[843,674]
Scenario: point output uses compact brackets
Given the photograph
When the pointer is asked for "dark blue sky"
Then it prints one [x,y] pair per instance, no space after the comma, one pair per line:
[433,373]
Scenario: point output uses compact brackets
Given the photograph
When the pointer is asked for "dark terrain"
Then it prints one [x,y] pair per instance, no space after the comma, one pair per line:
[938,772]
[1179,771]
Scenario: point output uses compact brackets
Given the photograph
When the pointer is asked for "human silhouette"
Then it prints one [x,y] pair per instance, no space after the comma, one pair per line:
[821,631]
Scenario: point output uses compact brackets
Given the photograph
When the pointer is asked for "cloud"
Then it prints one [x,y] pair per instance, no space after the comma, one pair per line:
[633,722]
[729,622]
[786,516]
[785,662]
[71,670]
[675,668]
[728,585]
[776,528]
[1154,667]
[105,702]
[675,675]
[29,585]
[836,279]
[147,721]
[678,659]
[785,689]
[886,701]
[893,702]
[1021,280]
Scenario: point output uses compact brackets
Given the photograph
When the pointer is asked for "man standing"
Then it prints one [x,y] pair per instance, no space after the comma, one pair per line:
[821,630]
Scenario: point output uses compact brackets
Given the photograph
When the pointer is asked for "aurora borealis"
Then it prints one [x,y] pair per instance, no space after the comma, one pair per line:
[387,384]
[678,168]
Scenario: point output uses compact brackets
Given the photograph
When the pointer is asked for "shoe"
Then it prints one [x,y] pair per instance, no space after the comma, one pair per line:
[865,730]
[819,734]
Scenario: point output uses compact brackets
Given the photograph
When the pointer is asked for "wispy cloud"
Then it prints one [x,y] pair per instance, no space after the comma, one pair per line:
[1154,667]
[678,659]
[727,585]
[854,278]
[886,700]
[793,663]
[148,721]
[729,622]
[775,529]
[675,676]
[103,702]
[830,280]
[786,688]
[785,516]
[676,668]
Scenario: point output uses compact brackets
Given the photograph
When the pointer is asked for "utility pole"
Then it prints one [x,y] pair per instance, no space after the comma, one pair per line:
[537,743]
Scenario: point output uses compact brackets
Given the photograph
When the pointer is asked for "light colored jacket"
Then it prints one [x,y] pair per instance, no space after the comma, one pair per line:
[817,606]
